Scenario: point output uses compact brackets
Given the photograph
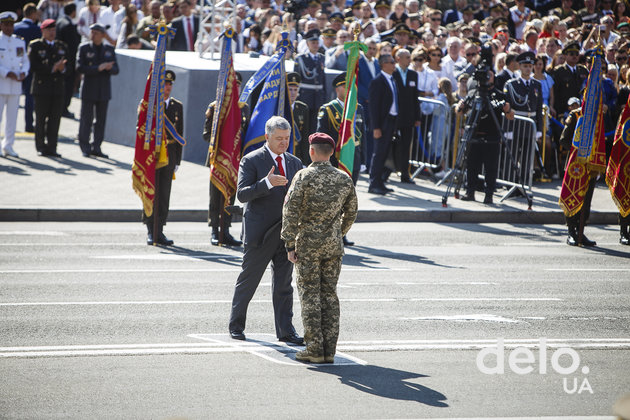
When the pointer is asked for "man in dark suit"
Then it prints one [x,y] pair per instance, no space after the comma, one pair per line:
[264,177]
[48,58]
[97,62]
[27,28]
[310,67]
[508,72]
[67,32]
[174,111]
[368,70]
[409,115]
[186,26]
[384,108]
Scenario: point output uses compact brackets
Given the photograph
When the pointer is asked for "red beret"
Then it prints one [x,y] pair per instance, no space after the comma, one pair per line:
[48,23]
[321,138]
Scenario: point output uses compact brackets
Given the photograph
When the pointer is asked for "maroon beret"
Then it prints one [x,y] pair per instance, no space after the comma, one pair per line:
[321,138]
[48,23]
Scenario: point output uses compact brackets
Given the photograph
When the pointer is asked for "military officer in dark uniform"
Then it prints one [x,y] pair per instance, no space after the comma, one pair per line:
[97,62]
[329,120]
[310,67]
[525,96]
[568,78]
[48,58]
[214,210]
[174,111]
[301,118]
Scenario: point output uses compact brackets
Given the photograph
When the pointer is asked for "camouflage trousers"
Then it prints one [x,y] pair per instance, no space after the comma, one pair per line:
[317,287]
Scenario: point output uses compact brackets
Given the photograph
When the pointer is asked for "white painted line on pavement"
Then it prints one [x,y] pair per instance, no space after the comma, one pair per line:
[175,270]
[30,233]
[216,346]
[587,269]
[220,301]
[464,318]
[533,418]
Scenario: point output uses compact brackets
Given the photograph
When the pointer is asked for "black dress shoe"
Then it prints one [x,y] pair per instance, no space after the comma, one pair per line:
[468,197]
[230,240]
[376,190]
[29,130]
[214,238]
[53,154]
[624,240]
[237,335]
[86,154]
[587,242]
[487,199]
[150,239]
[292,338]
[347,242]
[100,154]
[389,190]
[163,240]
[67,114]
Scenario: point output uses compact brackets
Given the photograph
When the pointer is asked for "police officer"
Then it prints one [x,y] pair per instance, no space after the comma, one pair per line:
[48,57]
[15,66]
[568,78]
[174,111]
[97,62]
[215,209]
[301,115]
[320,208]
[483,147]
[310,67]
[525,96]
[329,120]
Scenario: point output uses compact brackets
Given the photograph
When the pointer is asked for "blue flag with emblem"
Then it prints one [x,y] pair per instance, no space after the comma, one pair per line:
[273,98]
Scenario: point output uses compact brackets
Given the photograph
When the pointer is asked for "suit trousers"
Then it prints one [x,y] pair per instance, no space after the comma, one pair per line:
[255,261]
[69,78]
[12,103]
[48,110]
[402,150]
[161,201]
[486,153]
[214,208]
[29,102]
[381,149]
[88,108]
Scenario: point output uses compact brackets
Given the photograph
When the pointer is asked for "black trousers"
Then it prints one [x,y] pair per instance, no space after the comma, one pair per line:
[88,110]
[402,150]
[381,149]
[215,208]
[484,153]
[69,77]
[48,110]
[29,102]
[574,221]
[161,202]
[255,261]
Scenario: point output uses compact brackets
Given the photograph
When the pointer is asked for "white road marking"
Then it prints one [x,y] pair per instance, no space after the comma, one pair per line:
[175,270]
[219,301]
[534,418]
[218,346]
[464,318]
[30,233]
[587,269]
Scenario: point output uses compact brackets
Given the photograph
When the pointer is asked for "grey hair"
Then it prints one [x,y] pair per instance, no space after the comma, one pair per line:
[276,123]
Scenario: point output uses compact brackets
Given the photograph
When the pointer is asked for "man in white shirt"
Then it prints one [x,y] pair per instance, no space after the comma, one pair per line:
[452,59]
[93,13]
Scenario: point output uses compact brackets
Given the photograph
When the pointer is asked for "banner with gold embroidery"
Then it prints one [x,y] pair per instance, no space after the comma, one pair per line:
[618,170]
[150,150]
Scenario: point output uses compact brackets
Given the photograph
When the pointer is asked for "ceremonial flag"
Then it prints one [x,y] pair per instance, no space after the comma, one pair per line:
[345,146]
[150,151]
[273,99]
[618,171]
[588,153]
[224,153]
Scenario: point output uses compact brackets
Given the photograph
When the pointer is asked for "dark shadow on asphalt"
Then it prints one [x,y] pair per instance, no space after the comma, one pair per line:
[364,259]
[13,170]
[610,252]
[39,167]
[385,382]
[80,166]
[231,260]
[552,232]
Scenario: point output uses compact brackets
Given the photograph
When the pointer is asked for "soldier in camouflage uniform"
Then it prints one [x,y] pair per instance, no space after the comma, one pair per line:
[319,209]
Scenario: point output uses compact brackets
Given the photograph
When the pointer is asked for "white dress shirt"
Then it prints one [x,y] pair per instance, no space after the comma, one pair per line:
[274,156]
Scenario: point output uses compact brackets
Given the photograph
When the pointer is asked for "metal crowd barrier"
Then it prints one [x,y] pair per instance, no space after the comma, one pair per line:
[431,148]
[516,156]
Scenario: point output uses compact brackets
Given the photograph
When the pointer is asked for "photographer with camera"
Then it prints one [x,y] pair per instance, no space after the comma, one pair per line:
[484,106]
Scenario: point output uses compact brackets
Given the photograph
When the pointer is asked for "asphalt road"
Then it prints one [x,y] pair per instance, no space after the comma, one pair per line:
[94,324]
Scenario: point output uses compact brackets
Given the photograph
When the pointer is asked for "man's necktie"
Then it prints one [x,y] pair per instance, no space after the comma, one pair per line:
[191,43]
[393,82]
[280,168]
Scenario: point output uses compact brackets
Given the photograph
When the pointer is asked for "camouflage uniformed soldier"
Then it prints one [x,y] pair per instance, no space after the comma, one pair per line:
[300,116]
[319,209]
[310,67]
[214,209]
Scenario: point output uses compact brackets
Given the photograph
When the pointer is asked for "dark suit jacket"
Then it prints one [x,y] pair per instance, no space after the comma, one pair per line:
[27,30]
[178,43]
[43,57]
[365,77]
[501,79]
[262,215]
[67,32]
[96,84]
[175,113]
[380,101]
[451,16]
[409,110]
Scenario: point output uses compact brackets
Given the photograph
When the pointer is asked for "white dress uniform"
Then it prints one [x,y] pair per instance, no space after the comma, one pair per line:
[13,59]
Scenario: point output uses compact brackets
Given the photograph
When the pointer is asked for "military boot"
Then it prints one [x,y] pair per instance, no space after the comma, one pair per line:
[307,356]
[624,239]
[214,238]
[149,234]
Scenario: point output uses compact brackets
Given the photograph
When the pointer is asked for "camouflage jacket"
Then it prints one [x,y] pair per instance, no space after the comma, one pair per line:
[319,209]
